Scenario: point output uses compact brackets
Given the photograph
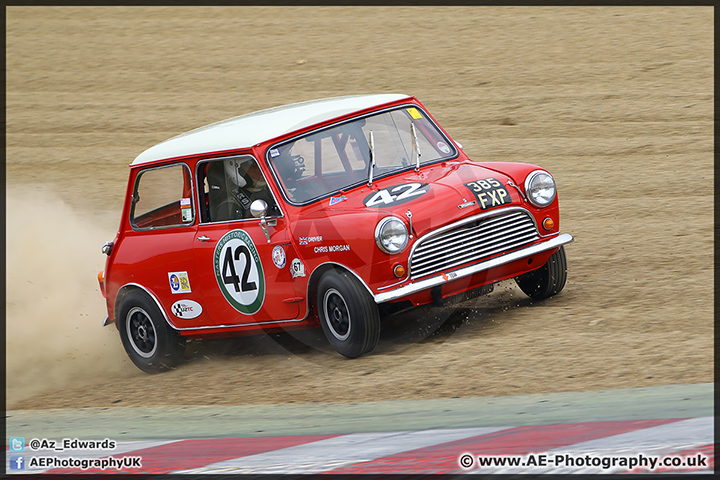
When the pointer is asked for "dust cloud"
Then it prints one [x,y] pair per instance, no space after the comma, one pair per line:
[54,308]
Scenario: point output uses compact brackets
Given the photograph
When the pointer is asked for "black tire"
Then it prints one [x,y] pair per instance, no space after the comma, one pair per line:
[151,344]
[547,280]
[348,314]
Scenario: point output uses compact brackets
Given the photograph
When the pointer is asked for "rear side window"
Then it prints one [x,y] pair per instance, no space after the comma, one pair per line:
[162,198]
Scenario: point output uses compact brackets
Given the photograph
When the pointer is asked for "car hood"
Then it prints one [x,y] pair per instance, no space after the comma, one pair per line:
[436,195]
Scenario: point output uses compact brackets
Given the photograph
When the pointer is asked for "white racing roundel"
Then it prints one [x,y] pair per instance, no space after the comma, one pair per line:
[239,272]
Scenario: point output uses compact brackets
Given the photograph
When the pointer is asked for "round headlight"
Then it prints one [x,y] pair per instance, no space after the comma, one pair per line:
[540,188]
[391,235]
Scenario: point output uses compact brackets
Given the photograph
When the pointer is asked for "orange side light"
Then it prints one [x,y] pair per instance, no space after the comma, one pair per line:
[548,223]
[101,281]
[399,271]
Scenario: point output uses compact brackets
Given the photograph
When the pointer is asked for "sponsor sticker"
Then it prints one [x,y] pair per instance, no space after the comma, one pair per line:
[239,272]
[489,192]
[186,209]
[335,200]
[274,152]
[186,309]
[395,195]
[414,113]
[278,256]
[443,147]
[449,276]
[297,269]
[306,240]
[179,282]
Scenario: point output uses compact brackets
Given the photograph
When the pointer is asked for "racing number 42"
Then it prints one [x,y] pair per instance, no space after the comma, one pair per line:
[230,276]
[236,262]
[395,194]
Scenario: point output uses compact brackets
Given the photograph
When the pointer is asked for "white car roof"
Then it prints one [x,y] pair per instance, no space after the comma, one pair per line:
[250,129]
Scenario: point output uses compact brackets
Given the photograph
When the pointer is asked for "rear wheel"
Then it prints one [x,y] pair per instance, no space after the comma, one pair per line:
[547,280]
[151,344]
[348,314]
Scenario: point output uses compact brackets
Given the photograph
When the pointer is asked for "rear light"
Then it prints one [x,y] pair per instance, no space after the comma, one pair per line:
[101,281]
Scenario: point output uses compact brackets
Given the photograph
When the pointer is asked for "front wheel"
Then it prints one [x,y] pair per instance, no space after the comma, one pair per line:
[348,314]
[148,340]
[547,280]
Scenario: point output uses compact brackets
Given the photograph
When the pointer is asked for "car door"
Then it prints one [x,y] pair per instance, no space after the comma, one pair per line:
[240,260]
[156,250]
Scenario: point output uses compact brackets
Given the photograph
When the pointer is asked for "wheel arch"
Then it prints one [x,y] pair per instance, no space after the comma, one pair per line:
[135,287]
[317,274]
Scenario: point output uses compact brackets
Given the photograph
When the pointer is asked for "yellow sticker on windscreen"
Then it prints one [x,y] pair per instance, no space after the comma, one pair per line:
[414,113]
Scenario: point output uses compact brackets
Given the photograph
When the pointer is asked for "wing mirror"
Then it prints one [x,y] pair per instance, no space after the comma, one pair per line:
[258,209]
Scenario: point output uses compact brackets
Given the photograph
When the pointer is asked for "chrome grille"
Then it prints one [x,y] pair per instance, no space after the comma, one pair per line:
[472,241]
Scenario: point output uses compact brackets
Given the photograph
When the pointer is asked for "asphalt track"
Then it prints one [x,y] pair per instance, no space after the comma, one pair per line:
[414,436]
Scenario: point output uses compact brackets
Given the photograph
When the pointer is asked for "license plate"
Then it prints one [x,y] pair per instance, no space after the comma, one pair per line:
[489,192]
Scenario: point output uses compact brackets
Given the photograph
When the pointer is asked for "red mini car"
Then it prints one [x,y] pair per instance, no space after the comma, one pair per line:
[319,212]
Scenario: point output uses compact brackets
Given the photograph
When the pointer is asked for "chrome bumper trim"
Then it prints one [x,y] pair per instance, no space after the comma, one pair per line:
[472,269]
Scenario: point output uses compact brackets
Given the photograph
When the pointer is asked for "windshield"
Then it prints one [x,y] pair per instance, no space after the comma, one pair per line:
[338,157]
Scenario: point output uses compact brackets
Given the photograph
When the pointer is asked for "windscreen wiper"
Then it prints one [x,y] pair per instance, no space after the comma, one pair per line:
[371,163]
[416,146]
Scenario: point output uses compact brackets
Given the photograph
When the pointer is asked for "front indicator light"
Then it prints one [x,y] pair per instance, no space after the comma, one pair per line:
[399,271]
[101,281]
[548,223]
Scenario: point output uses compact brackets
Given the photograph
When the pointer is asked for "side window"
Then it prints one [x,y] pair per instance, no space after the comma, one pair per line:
[229,186]
[162,198]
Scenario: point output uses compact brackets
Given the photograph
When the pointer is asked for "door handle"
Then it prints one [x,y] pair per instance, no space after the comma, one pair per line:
[203,238]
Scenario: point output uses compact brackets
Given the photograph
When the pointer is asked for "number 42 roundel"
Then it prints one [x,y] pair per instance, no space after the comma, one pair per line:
[239,272]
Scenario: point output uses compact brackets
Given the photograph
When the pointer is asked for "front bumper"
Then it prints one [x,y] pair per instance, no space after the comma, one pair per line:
[443,278]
